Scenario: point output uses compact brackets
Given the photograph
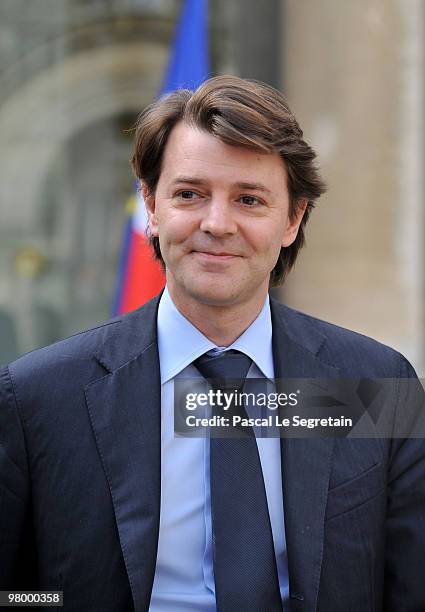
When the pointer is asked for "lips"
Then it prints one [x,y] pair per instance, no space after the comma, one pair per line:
[215,255]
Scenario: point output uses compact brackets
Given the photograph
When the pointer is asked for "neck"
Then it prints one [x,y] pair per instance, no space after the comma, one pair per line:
[222,324]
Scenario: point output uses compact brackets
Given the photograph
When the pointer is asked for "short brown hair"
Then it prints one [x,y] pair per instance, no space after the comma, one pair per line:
[242,113]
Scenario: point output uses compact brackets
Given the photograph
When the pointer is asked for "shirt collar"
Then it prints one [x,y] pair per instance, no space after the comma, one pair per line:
[180,342]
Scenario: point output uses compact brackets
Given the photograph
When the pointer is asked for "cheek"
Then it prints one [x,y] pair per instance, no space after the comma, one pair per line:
[176,228]
[267,240]
[272,244]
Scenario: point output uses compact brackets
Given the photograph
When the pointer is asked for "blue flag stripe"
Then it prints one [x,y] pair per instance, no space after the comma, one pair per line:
[188,65]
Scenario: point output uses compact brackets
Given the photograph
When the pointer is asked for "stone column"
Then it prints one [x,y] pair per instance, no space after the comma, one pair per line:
[354,75]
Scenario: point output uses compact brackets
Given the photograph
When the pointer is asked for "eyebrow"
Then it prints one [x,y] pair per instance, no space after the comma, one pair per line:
[239,185]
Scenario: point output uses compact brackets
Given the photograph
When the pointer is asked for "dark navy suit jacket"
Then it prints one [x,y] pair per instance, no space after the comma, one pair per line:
[80,475]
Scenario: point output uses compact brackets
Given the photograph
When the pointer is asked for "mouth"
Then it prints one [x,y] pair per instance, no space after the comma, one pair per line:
[215,256]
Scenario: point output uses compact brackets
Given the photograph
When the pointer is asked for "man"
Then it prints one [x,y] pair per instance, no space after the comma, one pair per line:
[99,499]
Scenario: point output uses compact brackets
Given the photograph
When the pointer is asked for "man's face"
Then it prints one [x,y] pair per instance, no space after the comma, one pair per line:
[221,215]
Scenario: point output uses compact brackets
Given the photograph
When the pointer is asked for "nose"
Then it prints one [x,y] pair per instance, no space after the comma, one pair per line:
[218,217]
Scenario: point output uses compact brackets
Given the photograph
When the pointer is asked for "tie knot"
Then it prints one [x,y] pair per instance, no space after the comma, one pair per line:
[231,364]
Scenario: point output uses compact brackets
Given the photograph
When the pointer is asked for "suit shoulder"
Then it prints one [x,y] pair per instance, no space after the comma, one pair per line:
[76,350]
[54,374]
[94,351]
[348,350]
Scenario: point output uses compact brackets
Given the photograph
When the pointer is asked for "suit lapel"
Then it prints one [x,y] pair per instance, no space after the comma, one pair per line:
[124,409]
[306,463]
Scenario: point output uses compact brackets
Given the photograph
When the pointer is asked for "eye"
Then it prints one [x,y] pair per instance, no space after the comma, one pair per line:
[186,194]
[249,200]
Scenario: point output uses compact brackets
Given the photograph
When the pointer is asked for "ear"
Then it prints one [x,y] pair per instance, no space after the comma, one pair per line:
[149,199]
[293,223]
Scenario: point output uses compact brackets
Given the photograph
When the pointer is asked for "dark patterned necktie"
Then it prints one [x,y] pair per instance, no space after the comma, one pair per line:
[245,572]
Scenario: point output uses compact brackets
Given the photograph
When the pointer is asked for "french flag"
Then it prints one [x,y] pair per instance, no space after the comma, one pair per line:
[140,276]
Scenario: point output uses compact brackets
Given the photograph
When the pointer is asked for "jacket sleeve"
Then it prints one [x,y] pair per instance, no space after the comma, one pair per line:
[17,550]
[405,527]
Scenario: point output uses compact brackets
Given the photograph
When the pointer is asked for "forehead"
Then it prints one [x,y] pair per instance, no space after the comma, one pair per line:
[192,151]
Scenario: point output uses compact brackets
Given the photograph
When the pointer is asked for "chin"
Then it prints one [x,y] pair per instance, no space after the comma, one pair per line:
[213,295]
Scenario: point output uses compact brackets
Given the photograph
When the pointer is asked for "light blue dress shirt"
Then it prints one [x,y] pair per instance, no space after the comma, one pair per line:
[184,575]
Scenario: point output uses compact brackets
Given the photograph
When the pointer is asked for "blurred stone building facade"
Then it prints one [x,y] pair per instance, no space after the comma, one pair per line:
[75,74]
[355,76]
